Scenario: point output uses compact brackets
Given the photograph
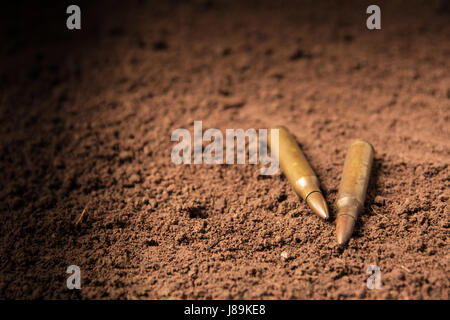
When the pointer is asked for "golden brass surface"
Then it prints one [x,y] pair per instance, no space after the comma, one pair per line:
[299,173]
[353,188]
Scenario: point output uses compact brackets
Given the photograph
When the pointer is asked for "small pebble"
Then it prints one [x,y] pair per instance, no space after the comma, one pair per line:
[135,178]
[125,155]
[379,201]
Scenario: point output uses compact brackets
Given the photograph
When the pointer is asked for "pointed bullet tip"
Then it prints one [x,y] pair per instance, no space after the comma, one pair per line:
[344,229]
[340,240]
[317,203]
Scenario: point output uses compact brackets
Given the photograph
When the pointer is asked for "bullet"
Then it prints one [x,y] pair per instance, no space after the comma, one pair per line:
[299,173]
[353,188]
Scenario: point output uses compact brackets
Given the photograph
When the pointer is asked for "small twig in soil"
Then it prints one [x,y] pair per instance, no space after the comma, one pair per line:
[405,268]
[81,215]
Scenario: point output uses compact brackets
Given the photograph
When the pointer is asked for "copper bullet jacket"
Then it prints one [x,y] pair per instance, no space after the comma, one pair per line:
[299,173]
[353,188]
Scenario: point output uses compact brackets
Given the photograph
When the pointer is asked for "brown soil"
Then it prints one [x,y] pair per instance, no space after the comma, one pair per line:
[86,118]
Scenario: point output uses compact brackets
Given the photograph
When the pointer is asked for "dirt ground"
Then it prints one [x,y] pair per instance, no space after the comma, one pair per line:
[85,123]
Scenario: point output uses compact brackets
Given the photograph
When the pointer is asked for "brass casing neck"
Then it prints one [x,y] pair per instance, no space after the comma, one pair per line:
[294,164]
[304,186]
[348,206]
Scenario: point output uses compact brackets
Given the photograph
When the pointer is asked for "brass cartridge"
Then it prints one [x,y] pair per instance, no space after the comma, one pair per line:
[353,188]
[299,173]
